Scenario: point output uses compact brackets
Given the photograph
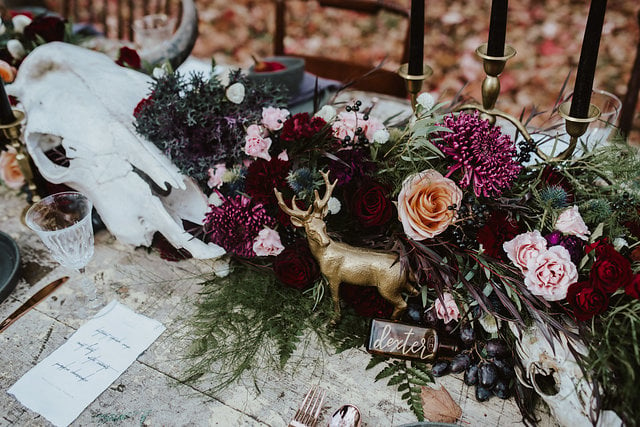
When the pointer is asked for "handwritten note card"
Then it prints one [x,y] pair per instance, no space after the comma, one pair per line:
[61,386]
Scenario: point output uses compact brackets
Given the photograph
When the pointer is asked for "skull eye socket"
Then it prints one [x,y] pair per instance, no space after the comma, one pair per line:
[544,381]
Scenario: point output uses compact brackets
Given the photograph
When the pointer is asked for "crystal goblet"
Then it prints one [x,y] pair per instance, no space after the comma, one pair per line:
[63,222]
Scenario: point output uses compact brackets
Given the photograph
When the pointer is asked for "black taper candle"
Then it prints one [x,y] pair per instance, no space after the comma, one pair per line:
[416,38]
[497,28]
[588,59]
[6,113]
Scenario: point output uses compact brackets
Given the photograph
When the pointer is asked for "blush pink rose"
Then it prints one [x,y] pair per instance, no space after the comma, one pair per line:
[267,243]
[284,156]
[570,222]
[215,175]
[524,247]
[10,172]
[423,204]
[550,274]
[273,118]
[446,308]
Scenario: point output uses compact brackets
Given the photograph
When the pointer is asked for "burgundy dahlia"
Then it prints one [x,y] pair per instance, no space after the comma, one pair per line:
[497,230]
[263,176]
[301,126]
[235,224]
[484,156]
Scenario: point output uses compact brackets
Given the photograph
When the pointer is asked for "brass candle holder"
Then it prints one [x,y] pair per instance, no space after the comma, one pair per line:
[414,82]
[576,127]
[12,133]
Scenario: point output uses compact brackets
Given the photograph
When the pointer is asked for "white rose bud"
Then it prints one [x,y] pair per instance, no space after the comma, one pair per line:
[3,28]
[235,93]
[159,72]
[16,49]
[20,22]
[381,136]
[326,113]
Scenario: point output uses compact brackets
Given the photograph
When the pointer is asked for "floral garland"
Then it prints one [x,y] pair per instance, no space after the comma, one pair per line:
[491,237]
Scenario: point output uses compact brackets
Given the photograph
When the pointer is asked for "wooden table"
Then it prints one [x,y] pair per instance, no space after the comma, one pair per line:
[149,392]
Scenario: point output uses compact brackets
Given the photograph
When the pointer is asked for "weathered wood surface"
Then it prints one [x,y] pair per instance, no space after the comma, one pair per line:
[149,392]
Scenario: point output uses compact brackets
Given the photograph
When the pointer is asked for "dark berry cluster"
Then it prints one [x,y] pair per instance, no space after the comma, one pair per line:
[360,139]
[526,147]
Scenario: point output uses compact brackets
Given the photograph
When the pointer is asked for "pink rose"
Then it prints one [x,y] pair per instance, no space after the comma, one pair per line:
[570,222]
[273,118]
[550,274]
[349,121]
[215,175]
[10,172]
[446,308]
[424,204]
[257,146]
[267,243]
[525,247]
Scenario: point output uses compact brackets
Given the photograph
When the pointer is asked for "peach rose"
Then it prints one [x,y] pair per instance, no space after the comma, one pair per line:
[423,204]
[524,247]
[447,309]
[10,172]
[570,222]
[550,274]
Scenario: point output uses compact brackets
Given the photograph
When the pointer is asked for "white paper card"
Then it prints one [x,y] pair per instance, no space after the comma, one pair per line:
[61,386]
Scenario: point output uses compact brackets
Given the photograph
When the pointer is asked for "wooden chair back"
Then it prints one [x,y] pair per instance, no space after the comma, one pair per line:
[358,76]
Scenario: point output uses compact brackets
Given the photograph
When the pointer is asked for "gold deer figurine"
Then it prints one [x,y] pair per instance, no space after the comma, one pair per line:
[340,262]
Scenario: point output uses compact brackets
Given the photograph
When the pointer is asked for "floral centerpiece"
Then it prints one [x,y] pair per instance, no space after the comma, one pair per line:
[490,235]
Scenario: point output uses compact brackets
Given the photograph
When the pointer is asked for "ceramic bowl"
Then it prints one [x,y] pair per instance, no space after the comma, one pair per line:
[290,77]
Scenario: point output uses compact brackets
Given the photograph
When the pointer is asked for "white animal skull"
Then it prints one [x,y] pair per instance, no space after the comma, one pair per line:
[82,100]
[567,393]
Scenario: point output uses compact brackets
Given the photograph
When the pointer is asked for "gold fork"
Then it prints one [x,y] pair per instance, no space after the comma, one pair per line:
[309,410]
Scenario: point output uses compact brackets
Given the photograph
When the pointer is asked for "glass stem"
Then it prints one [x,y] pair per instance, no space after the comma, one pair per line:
[88,287]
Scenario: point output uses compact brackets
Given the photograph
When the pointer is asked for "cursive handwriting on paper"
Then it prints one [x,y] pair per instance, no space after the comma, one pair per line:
[400,340]
[76,373]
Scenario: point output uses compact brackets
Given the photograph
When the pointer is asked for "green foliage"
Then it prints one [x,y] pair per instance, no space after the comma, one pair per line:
[614,356]
[249,321]
[408,377]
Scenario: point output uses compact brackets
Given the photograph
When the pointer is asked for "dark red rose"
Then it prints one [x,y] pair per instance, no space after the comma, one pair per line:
[296,267]
[633,287]
[497,230]
[49,28]
[370,204]
[300,127]
[586,300]
[144,103]
[129,58]
[366,301]
[611,270]
[263,176]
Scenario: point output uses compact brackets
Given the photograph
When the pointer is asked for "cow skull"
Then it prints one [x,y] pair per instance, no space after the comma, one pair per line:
[81,100]
[552,371]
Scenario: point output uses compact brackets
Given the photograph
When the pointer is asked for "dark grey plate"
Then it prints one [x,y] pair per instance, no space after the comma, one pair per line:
[9,265]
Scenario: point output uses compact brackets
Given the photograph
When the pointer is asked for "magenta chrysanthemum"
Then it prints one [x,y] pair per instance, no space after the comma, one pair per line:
[481,152]
[235,224]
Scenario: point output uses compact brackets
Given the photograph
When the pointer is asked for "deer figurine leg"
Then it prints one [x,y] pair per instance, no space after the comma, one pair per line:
[335,297]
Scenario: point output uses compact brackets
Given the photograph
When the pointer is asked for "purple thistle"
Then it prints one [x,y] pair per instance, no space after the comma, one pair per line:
[235,224]
[481,152]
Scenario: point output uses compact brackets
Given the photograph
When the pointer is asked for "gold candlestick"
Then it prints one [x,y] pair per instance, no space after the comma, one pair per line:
[12,132]
[414,82]
[576,127]
[493,67]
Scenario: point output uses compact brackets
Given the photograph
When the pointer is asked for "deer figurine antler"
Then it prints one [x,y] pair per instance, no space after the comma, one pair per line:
[340,262]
